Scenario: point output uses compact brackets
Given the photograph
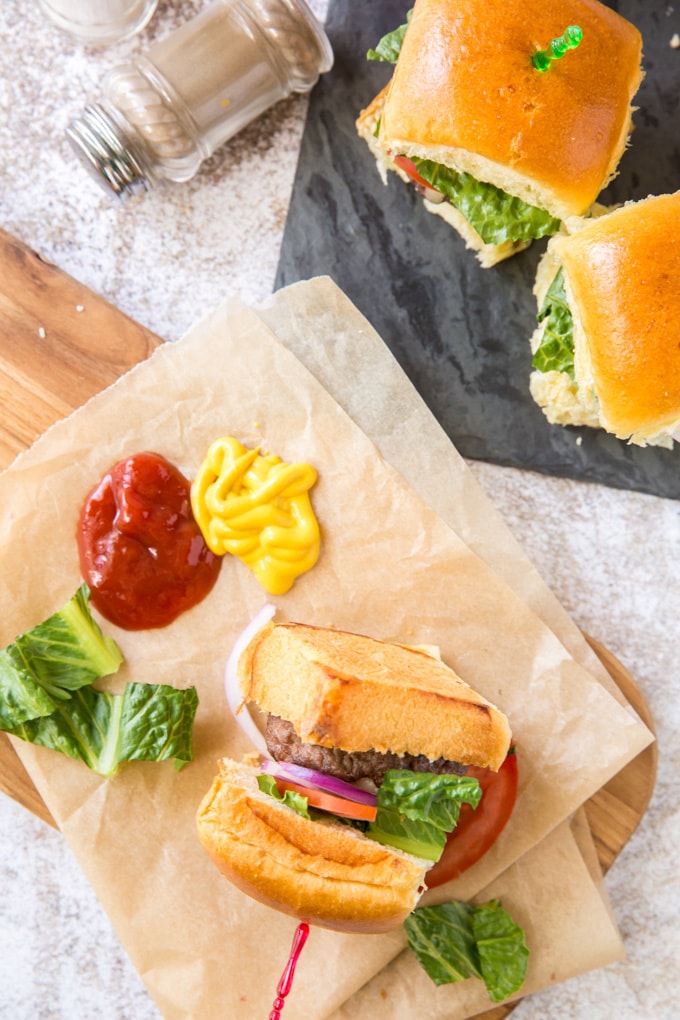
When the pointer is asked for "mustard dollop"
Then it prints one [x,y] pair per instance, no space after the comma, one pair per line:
[257,507]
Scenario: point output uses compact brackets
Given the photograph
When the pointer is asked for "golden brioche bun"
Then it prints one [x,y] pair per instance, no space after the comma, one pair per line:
[328,874]
[466,94]
[622,279]
[356,693]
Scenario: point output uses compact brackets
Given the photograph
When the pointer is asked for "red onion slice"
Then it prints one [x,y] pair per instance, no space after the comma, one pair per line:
[299,774]
[233,691]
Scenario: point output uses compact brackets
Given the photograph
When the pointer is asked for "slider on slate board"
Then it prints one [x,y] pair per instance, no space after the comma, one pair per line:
[510,117]
[607,347]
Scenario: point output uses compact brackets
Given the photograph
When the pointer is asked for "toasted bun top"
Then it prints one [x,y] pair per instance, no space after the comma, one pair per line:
[356,693]
[328,874]
[622,275]
[465,93]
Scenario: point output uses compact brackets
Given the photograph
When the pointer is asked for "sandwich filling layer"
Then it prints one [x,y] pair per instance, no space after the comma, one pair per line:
[284,744]
[565,393]
[491,221]
[494,214]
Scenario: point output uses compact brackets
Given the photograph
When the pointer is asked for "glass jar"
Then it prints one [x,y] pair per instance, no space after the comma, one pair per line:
[168,110]
[99,21]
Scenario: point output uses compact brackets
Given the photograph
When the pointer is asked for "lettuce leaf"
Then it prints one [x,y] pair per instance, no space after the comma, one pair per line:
[148,722]
[416,810]
[496,216]
[556,350]
[427,797]
[47,698]
[43,666]
[443,941]
[455,941]
[503,952]
[391,828]
[389,47]
[297,801]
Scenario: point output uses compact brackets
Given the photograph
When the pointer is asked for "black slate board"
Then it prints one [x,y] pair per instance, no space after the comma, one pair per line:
[461,332]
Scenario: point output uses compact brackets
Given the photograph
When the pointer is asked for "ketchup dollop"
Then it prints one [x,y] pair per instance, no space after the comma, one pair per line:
[141,552]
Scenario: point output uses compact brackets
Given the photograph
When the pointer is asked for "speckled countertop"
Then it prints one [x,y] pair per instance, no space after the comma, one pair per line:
[612,557]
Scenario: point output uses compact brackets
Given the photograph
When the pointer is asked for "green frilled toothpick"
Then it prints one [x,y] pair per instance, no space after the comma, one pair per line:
[542,59]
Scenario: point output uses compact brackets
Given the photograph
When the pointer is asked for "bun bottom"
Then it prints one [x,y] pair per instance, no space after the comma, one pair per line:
[325,873]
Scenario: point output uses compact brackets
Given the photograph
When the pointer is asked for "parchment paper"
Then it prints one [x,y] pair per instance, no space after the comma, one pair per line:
[329,335]
[567,936]
[389,566]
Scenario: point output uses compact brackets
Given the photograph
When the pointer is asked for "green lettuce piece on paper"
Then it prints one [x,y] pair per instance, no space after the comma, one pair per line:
[47,698]
[455,941]
[147,722]
[388,49]
[556,350]
[443,941]
[503,952]
[496,216]
[45,665]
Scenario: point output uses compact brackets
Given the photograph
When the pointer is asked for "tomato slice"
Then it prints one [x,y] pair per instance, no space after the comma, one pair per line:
[409,167]
[478,828]
[330,802]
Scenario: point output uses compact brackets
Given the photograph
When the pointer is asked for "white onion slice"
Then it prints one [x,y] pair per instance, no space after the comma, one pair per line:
[432,195]
[310,777]
[231,686]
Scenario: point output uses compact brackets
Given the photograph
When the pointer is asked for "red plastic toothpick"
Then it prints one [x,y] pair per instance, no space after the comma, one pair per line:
[286,982]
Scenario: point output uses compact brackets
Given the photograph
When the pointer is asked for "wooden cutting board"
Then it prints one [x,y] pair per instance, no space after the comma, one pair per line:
[60,344]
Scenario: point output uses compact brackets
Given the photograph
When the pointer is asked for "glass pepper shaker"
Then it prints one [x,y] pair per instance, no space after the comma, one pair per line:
[99,21]
[168,110]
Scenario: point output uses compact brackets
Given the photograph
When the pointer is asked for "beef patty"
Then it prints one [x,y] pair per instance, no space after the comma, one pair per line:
[285,745]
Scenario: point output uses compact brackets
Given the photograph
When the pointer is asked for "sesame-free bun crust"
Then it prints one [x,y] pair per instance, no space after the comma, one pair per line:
[465,93]
[357,693]
[622,276]
[324,873]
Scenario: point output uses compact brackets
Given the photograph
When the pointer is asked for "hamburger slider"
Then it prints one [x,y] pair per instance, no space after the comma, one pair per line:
[510,116]
[606,352]
[362,779]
